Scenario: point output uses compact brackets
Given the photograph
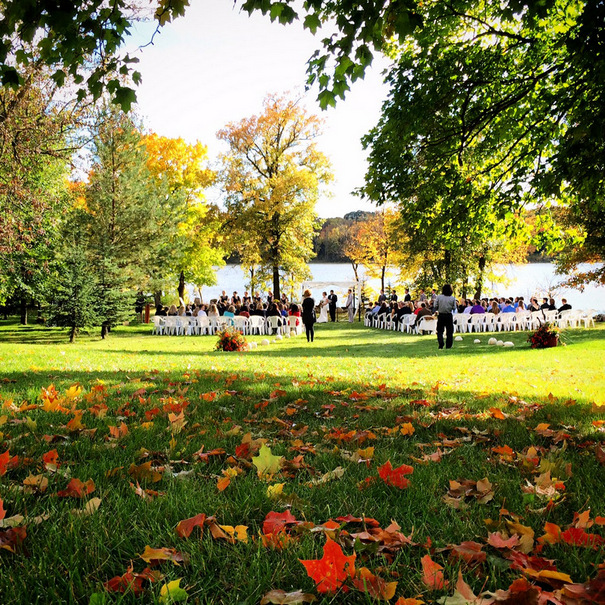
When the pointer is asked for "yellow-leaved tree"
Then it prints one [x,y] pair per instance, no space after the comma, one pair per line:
[193,244]
[272,176]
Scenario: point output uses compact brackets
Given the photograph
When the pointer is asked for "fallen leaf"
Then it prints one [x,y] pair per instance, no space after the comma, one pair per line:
[395,477]
[153,555]
[76,489]
[186,526]
[332,570]
[432,575]
[172,592]
[266,463]
[279,597]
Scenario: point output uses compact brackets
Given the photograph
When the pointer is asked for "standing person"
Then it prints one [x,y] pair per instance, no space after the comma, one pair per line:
[445,305]
[350,306]
[308,314]
[408,296]
[333,299]
[394,296]
[382,297]
[324,303]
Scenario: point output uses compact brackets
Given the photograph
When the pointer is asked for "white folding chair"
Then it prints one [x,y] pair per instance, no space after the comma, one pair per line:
[203,324]
[275,325]
[257,325]
[171,325]
[506,322]
[411,323]
[158,324]
[426,324]
[477,322]
[489,322]
[295,325]
[242,324]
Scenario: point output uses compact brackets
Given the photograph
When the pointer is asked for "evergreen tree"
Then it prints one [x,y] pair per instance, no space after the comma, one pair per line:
[74,300]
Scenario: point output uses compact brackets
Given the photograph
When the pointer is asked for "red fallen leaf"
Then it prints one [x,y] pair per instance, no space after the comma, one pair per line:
[4,460]
[76,489]
[395,477]
[520,592]
[150,414]
[497,413]
[497,541]
[144,472]
[432,575]
[117,432]
[131,581]
[2,511]
[276,522]
[277,393]
[11,538]
[600,454]
[208,396]
[205,456]
[186,526]
[469,552]
[504,450]
[576,536]
[332,570]
[155,555]
[592,591]
[50,459]
[376,587]
[242,450]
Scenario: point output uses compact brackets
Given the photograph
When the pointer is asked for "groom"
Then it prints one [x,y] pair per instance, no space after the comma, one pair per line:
[332,305]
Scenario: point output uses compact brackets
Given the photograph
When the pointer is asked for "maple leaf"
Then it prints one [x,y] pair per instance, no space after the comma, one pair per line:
[11,539]
[2,511]
[266,463]
[131,581]
[144,472]
[395,477]
[239,533]
[409,601]
[376,587]
[432,575]
[332,570]
[469,552]
[186,526]
[276,522]
[76,489]
[172,592]
[279,597]
[498,541]
[223,483]
[155,555]
[463,594]
[4,460]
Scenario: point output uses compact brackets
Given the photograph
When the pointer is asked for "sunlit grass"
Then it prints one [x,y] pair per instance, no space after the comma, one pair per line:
[351,378]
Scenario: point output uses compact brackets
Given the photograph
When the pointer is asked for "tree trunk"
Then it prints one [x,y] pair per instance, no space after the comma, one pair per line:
[72,334]
[157,299]
[355,267]
[480,277]
[104,330]
[447,261]
[382,274]
[23,305]
[181,286]
[464,285]
[276,292]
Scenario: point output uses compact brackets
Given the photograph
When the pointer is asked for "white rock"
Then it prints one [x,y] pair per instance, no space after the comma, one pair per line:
[287,335]
[252,345]
[477,341]
[273,341]
[500,343]
[278,337]
[264,342]
[492,341]
[508,343]
[458,338]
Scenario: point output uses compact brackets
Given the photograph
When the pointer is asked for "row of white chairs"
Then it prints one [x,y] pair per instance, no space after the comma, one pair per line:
[195,326]
[486,322]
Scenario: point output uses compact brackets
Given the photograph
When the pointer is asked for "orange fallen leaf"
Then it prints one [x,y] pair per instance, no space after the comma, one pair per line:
[332,570]
[432,575]
[395,477]
[376,587]
[76,489]
[186,526]
[153,555]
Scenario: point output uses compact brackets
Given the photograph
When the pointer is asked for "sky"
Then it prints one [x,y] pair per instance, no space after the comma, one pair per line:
[217,64]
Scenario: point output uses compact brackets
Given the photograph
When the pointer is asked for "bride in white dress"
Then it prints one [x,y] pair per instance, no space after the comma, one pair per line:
[323,309]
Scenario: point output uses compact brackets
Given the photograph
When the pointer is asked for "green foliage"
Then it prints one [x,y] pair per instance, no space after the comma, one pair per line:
[272,178]
[73,301]
[477,125]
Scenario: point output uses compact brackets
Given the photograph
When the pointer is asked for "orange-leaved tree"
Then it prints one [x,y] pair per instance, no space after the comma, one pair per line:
[272,176]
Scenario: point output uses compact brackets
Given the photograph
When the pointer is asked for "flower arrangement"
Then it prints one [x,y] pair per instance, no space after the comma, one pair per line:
[230,339]
[547,335]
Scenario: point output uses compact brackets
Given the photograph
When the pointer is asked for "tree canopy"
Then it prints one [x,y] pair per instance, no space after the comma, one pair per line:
[272,176]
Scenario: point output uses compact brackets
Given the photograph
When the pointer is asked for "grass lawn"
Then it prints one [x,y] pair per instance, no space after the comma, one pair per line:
[161,429]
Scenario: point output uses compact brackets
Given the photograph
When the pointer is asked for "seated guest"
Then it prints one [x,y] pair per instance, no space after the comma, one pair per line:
[564,307]
[375,308]
[544,306]
[273,311]
[468,306]
[476,308]
[161,311]
[494,308]
[520,306]
[533,305]
[230,312]
[173,311]
[213,311]
[182,311]
[424,311]
[551,304]
[509,307]
[235,299]
[243,311]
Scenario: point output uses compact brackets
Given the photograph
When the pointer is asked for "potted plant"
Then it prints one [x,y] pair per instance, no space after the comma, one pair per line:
[546,336]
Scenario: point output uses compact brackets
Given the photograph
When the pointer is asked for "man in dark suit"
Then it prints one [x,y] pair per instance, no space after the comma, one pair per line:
[333,299]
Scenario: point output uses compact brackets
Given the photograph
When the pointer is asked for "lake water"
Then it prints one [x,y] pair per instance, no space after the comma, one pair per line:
[520,280]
